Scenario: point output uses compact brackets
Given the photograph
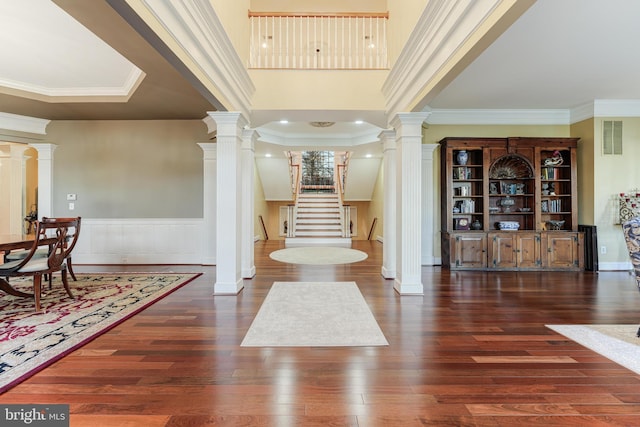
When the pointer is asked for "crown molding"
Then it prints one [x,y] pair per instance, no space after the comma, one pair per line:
[193,32]
[444,37]
[606,108]
[581,112]
[76,94]
[14,122]
[616,108]
[558,116]
[325,140]
[498,117]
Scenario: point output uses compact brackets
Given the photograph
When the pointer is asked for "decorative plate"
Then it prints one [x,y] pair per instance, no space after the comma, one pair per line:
[510,167]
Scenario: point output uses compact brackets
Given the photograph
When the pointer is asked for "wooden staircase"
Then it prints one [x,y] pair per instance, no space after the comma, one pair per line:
[318,221]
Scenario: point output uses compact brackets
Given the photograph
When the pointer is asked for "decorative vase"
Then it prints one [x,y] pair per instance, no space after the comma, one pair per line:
[507,203]
[476,225]
[462,157]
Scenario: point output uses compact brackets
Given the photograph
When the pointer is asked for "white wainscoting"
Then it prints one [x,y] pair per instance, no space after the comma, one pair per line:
[141,241]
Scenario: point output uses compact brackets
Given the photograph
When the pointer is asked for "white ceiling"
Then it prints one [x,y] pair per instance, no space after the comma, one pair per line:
[559,55]
[47,52]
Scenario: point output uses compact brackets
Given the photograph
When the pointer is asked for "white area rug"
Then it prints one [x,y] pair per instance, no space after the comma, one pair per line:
[318,255]
[323,314]
[615,342]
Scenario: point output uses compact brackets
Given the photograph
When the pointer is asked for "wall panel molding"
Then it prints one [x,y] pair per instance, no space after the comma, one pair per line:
[141,241]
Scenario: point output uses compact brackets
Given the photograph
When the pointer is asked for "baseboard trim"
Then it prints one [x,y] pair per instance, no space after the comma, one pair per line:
[614,266]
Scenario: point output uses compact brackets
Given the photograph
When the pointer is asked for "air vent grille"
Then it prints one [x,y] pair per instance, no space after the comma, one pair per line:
[612,137]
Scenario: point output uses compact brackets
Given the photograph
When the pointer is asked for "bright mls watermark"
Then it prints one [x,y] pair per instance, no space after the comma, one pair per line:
[34,415]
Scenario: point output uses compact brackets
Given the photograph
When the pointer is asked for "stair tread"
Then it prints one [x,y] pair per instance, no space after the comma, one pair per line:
[318,215]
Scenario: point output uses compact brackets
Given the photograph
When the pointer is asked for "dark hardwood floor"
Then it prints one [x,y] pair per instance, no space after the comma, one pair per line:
[472,351]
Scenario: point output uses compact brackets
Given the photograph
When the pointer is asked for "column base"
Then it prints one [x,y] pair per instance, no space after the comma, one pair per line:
[228,288]
[249,273]
[408,288]
[387,273]
[431,260]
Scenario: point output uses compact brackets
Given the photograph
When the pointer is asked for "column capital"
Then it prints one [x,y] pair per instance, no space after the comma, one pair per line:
[249,138]
[210,150]
[409,124]
[13,150]
[228,122]
[428,150]
[388,139]
[45,150]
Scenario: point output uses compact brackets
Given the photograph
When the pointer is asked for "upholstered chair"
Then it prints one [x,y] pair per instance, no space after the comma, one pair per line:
[631,230]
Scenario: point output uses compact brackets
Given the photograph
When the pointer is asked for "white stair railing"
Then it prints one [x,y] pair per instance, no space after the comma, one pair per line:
[318,41]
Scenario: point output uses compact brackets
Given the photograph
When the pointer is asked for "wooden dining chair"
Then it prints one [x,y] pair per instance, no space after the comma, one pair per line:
[42,252]
[72,237]
[53,235]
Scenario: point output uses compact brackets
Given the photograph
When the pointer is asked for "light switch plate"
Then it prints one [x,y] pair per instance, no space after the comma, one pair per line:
[71,196]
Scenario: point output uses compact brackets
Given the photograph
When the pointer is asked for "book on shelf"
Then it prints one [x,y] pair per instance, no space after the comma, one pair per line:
[551,205]
[461,172]
[466,206]
[548,172]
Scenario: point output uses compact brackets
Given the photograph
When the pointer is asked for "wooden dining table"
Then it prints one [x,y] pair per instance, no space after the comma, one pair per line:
[10,242]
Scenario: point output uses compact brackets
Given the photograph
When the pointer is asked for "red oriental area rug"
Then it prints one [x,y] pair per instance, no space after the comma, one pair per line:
[30,341]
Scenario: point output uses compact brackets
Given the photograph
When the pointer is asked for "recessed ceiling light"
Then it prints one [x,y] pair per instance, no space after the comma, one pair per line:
[284,122]
[268,155]
[359,122]
[369,155]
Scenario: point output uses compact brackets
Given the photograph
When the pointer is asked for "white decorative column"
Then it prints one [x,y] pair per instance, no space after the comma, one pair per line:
[429,210]
[228,203]
[408,128]
[209,202]
[249,137]
[12,176]
[388,139]
[45,178]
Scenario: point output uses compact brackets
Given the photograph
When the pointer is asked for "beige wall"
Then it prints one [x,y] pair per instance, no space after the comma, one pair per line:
[586,178]
[376,206]
[325,6]
[434,133]
[260,206]
[235,20]
[614,174]
[361,228]
[273,218]
[403,17]
[128,169]
[316,90]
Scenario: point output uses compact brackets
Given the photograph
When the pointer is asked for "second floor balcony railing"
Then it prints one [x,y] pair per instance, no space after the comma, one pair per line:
[318,41]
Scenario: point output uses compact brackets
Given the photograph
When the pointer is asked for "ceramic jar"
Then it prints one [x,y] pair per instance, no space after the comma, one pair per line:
[462,157]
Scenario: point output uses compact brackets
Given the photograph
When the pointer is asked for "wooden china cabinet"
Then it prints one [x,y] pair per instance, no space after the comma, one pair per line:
[510,204]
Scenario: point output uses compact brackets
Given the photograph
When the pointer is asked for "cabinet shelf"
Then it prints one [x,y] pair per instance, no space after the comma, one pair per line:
[511,213]
[511,195]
